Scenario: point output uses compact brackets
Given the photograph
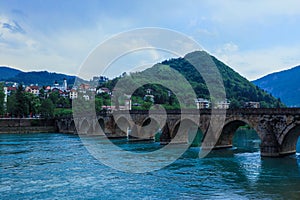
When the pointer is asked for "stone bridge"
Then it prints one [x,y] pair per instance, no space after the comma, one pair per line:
[278,129]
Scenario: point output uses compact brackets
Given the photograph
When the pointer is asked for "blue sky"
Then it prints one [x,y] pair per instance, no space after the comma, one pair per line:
[254,37]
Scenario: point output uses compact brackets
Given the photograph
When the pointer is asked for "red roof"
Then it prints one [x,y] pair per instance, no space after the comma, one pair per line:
[34,87]
[11,88]
[57,90]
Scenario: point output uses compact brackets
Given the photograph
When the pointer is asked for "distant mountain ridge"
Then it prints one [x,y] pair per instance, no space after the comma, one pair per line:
[35,77]
[7,72]
[284,85]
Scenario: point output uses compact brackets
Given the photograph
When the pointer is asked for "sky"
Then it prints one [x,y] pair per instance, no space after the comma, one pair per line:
[255,37]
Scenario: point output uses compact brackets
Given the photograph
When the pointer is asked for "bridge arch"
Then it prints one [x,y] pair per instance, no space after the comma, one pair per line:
[101,123]
[63,125]
[228,131]
[122,126]
[84,127]
[150,127]
[72,126]
[99,126]
[188,130]
[289,140]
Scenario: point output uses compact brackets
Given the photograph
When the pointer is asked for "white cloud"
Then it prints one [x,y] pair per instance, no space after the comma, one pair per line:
[257,63]
[237,10]
[68,37]
[13,35]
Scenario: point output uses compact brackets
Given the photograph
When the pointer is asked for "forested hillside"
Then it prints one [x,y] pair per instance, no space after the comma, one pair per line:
[238,89]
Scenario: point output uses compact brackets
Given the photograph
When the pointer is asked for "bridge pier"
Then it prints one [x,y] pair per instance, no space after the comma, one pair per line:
[269,146]
[165,137]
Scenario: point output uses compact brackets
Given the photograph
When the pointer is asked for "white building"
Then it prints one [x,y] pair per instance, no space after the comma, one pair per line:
[252,104]
[73,94]
[202,103]
[33,90]
[149,97]
[222,104]
[86,97]
[5,93]
[103,90]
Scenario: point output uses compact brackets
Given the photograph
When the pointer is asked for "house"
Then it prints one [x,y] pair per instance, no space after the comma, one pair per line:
[113,108]
[86,97]
[149,97]
[10,90]
[57,90]
[73,94]
[222,104]
[92,89]
[84,86]
[33,90]
[103,90]
[47,88]
[64,94]
[202,103]
[252,104]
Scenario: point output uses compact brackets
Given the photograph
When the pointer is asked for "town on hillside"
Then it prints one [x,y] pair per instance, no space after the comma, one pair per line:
[36,101]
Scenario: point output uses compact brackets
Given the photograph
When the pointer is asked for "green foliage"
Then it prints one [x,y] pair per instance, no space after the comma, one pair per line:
[238,89]
[2,96]
[47,109]
[60,112]
[146,105]
[11,104]
[33,103]
[54,96]
[80,105]
[22,107]
[98,104]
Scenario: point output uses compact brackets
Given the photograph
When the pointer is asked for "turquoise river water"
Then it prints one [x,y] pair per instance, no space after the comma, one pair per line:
[58,166]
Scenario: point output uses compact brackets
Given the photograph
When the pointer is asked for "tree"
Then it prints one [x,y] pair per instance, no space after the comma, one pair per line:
[234,104]
[22,108]
[54,96]
[2,96]
[11,104]
[42,93]
[63,102]
[98,104]
[47,109]
[33,102]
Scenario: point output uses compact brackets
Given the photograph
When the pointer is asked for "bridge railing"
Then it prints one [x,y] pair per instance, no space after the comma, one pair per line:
[239,111]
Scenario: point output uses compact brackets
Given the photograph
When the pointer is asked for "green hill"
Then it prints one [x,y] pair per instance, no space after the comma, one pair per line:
[238,89]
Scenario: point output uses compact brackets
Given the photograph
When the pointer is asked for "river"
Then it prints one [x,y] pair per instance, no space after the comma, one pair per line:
[58,166]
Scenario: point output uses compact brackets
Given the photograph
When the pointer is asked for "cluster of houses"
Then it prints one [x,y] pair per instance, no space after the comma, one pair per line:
[64,91]
[204,104]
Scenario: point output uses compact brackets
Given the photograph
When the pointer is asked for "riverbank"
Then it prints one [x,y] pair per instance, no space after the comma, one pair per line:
[27,125]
